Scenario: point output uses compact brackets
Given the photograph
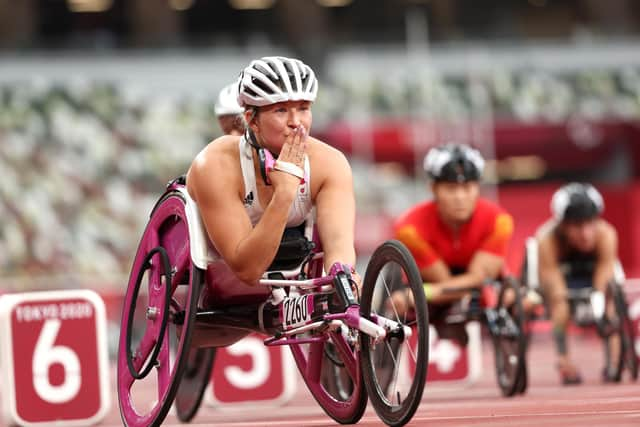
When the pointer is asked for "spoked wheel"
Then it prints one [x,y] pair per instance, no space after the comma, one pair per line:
[333,376]
[507,328]
[194,382]
[619,337]
[395,370]
[158,315]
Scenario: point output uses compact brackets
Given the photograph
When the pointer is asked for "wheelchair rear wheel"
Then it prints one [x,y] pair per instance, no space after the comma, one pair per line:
[194,382]
[158,315]
[395,370]
[507,331]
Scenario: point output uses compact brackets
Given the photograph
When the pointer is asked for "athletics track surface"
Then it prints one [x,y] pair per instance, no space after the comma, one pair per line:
[546,403]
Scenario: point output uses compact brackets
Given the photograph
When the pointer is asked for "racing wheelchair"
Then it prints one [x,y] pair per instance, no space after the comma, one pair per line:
[498,304]
[608,313]
[183,301]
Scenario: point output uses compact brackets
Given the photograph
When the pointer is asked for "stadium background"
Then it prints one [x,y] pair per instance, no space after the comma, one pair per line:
[104,101]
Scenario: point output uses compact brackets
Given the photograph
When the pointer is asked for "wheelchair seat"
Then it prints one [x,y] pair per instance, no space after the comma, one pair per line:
[294,249]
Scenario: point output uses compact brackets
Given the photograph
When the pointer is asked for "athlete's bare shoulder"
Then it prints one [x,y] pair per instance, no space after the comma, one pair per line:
[547,230]
[216,153]
[607,233]
[606,227]
[214,164]
[548,239]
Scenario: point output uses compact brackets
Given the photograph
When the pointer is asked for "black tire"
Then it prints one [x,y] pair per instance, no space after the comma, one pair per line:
[523,380]
[392,266]
[167,218]
[625,330]
[509,341]
[194,382]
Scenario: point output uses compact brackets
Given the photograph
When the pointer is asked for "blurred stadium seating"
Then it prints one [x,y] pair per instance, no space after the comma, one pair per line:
[82,165]
[83,162]
[102,102]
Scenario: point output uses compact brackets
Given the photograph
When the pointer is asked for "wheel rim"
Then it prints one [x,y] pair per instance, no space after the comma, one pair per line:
[627,333]
[159,324]
[167,229]
[508,340]
[389,357]
[395,369]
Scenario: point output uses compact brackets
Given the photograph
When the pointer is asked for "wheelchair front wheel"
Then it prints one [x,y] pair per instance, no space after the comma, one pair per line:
[395,370]
[507,329]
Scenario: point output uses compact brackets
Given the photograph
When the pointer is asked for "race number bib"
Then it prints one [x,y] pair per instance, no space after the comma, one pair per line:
[296,311]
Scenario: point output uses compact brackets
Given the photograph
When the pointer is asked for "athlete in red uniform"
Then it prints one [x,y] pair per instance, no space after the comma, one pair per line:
[458,240]
[430,239]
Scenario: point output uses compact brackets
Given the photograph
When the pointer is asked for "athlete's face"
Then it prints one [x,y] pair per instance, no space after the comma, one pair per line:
[456,200]
[581,235]
[274,123]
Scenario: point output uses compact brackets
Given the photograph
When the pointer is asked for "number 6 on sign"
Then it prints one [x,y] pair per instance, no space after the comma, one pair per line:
[45,356]
[53,358]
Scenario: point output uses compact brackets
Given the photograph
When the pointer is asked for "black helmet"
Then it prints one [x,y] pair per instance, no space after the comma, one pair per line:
[454,163]
[576,202]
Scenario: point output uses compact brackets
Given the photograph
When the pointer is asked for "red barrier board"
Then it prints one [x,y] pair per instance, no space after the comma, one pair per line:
[54,358]
[250,372]
[449,361]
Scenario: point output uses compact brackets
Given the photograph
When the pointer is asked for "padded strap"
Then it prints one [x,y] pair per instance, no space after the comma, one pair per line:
[289,168]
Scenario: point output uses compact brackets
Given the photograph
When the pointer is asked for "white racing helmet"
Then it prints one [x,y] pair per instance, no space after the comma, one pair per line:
[575,202]
[274,79]
[227,102]
[454,163]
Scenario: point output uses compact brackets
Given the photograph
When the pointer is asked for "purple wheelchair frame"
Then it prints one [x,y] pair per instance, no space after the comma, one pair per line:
[175,323]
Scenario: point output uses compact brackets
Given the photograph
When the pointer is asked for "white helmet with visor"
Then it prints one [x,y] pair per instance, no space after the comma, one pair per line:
[274,79]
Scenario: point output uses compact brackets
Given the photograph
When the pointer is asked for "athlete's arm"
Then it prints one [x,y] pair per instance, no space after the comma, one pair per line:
[335,207]
[247,250]
[483,266]
[551,277]
[607,251]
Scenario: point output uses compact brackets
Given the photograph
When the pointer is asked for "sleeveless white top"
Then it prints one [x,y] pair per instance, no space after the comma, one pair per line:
[302,204]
